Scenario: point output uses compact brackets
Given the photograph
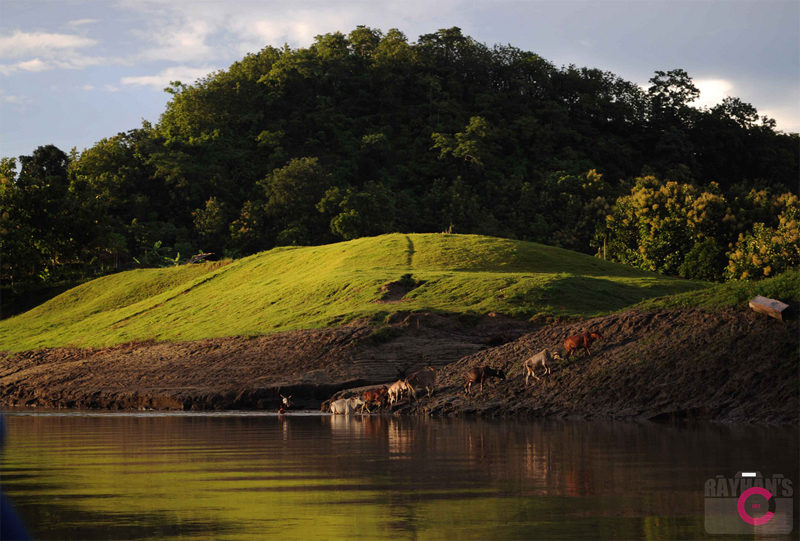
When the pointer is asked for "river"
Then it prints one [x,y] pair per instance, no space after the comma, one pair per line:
[238,475]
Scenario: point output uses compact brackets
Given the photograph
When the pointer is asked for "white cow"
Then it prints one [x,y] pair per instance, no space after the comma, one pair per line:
[396,390]
[540,359]
[346,406]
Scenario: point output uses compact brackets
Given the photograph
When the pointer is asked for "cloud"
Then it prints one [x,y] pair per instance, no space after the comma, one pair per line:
[88,86]
[25,44]
[712,92]
[111,88]
[184,74]
[28,65]
[14,99]
[67,62]
[40,51]
[184,41]
[81,22]
[786,118]
[195,31]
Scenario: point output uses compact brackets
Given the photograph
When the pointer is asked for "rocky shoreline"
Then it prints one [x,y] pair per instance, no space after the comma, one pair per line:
[731,366]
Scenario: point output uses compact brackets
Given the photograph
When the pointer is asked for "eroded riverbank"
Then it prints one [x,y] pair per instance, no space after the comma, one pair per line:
[732,365]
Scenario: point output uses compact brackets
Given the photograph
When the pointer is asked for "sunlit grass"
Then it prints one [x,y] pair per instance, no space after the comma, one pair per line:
[311,287]
[784,287]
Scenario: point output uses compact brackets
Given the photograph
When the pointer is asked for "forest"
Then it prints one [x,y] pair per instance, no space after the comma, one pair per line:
[367,133]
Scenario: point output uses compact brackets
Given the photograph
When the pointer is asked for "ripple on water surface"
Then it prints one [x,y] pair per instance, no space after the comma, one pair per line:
[256,475]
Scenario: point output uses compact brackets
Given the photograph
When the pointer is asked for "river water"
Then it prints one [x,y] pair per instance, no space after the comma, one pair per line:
[81,475]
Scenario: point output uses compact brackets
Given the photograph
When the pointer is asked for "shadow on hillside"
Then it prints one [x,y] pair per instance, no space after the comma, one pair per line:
[595,294]
[14,302]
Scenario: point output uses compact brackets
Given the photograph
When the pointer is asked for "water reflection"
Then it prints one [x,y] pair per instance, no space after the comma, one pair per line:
[354,477]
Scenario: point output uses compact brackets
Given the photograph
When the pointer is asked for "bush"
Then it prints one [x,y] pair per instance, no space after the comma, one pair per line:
[767,251]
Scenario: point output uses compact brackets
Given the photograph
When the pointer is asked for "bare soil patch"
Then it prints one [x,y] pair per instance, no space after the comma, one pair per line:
[733,365]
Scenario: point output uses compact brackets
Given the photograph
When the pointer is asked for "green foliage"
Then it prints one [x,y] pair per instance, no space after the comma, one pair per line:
[766,251]
[293,288]
[292,193]
[359,214]
[364,133]
[474,145]
[704,261]
[670,227]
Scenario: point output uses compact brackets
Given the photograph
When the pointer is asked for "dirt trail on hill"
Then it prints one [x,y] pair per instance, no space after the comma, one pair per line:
[728,366]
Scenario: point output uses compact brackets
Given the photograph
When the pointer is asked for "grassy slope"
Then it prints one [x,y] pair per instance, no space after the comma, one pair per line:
[785,287]
[292,288]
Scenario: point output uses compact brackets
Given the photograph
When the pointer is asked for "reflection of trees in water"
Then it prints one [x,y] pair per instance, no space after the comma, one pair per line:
[553,457]
[409,469]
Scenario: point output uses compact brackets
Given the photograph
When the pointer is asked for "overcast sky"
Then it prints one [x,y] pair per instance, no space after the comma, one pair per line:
[73,72]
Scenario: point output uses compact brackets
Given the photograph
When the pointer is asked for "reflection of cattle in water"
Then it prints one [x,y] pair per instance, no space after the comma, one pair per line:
[481,374]
[424,379]
[374,396]
[583,340]
[346,406]
[540,359]
[401,439]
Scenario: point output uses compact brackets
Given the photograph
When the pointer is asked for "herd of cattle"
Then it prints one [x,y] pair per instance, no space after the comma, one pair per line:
[424,380]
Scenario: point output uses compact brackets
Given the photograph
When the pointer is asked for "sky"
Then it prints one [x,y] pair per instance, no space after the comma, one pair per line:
[75,71]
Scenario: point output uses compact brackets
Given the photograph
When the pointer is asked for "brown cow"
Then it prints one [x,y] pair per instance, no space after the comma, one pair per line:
[424,379]
[583,340]
[480,375]
[373,396]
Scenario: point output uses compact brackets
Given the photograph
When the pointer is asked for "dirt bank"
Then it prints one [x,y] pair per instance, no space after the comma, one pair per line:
[730,366]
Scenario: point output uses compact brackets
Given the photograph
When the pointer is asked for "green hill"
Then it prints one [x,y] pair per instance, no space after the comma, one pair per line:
[785,286]
[308,287]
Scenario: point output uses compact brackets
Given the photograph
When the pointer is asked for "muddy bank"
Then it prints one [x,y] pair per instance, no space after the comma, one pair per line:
[683,364]
[244,372]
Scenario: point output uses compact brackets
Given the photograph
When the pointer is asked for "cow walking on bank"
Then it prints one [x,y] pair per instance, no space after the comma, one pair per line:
[541,359]
[374,396]
[424,379]
[396,391]
[479,375]
[583,340]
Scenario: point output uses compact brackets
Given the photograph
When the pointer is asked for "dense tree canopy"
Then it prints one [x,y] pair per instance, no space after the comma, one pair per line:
[367,133]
